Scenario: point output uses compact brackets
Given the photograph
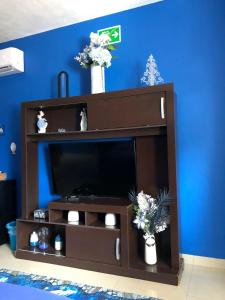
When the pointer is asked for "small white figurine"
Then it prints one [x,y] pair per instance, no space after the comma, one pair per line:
[83,122]
[13,148]
[42,122]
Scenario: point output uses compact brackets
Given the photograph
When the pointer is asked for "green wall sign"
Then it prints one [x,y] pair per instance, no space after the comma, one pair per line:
[113,32]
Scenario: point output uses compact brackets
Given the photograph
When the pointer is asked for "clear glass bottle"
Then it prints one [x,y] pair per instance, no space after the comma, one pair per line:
[43,235]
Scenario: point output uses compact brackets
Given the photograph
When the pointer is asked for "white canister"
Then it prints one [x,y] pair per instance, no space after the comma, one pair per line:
[110,219]
[73,217]
[34,239]
[58,243]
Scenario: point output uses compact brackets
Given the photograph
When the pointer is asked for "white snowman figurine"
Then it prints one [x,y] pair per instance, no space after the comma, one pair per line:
[41,122]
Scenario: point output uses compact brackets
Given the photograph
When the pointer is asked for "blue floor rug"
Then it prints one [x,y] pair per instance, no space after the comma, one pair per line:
[65,288]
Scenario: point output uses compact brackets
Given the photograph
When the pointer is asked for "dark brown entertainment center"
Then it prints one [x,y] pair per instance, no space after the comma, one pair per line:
[145,114]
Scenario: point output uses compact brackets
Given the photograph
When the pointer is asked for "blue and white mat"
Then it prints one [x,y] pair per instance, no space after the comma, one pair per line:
[59,288]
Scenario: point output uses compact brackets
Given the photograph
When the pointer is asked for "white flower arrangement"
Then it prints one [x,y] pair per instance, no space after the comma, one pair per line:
[151,215]
[97,53]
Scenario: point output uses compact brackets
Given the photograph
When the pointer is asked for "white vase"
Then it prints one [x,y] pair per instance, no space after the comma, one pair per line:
[97,79]
[150,251]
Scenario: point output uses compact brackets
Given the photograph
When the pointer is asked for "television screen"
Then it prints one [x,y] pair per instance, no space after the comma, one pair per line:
[103,168]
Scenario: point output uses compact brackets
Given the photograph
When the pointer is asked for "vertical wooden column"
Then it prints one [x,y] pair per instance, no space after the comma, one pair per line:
[171,146]
[29,169]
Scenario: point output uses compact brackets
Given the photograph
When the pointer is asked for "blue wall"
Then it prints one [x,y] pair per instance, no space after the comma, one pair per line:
[187,39]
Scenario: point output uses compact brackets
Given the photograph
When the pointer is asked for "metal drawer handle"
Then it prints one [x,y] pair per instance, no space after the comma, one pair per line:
[162,108]
[118,249]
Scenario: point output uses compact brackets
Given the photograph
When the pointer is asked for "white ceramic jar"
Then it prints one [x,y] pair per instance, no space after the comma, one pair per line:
[110,219]
[73,217]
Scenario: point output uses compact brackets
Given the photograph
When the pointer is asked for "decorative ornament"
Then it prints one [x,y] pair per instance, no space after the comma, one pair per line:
[151,75]
[43,235]
[63,84]
[61,130]
[83,122]
[2,129]
[13,148]
[42,122]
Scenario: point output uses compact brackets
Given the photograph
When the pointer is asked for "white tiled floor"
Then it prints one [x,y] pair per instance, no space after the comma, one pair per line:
[197,283]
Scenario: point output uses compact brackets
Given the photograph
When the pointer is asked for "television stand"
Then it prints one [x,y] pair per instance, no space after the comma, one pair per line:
[145,115]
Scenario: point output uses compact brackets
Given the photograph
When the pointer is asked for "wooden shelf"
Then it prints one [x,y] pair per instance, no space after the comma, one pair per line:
[100,224]
[64,222]
[160,273]
[60,222]
[96,134]
[160,266]
[35,251]
[104,205]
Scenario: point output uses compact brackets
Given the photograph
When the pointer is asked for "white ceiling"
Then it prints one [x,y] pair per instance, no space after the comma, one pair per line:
[19,18]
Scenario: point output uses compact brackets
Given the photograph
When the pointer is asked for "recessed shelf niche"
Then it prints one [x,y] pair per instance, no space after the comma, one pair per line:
[60,118]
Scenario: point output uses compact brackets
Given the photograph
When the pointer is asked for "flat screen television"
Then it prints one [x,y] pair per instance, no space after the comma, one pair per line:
[100,168]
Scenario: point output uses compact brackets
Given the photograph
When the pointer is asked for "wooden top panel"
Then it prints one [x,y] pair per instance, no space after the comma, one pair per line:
[104,205]
[90,97]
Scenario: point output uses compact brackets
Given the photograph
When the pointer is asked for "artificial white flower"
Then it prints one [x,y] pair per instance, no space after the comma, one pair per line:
[104,39]
[94,38]
[161,227]
[101,56]
[151,214]
[142,201]
[140,221]
[97,53]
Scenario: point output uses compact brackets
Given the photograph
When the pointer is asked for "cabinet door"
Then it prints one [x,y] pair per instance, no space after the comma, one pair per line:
[93,244]
[131,111]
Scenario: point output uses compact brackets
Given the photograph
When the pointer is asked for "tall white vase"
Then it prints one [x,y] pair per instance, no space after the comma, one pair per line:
[150,251]
[97,79]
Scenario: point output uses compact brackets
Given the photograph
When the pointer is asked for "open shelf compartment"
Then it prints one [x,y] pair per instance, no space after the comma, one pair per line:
[95,219]
[60,119]
[61,216]
[27,227]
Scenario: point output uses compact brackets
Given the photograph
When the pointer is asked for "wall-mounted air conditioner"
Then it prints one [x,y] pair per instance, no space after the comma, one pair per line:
[11,61]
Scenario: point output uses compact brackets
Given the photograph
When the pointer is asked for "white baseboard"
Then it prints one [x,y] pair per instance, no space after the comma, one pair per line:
[203,261]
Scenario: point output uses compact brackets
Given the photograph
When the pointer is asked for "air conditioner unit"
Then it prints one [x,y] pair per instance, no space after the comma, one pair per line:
[11,61]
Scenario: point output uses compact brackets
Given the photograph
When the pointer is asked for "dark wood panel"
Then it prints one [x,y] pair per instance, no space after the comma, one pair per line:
[30,195]
[171,148]
[152,164]
[70,101]
[161,274]
[96,134]
[92,244]
[97,204]
[130,111]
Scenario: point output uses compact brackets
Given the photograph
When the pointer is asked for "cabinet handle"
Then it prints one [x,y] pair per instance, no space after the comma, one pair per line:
[162,107]
[118,249]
